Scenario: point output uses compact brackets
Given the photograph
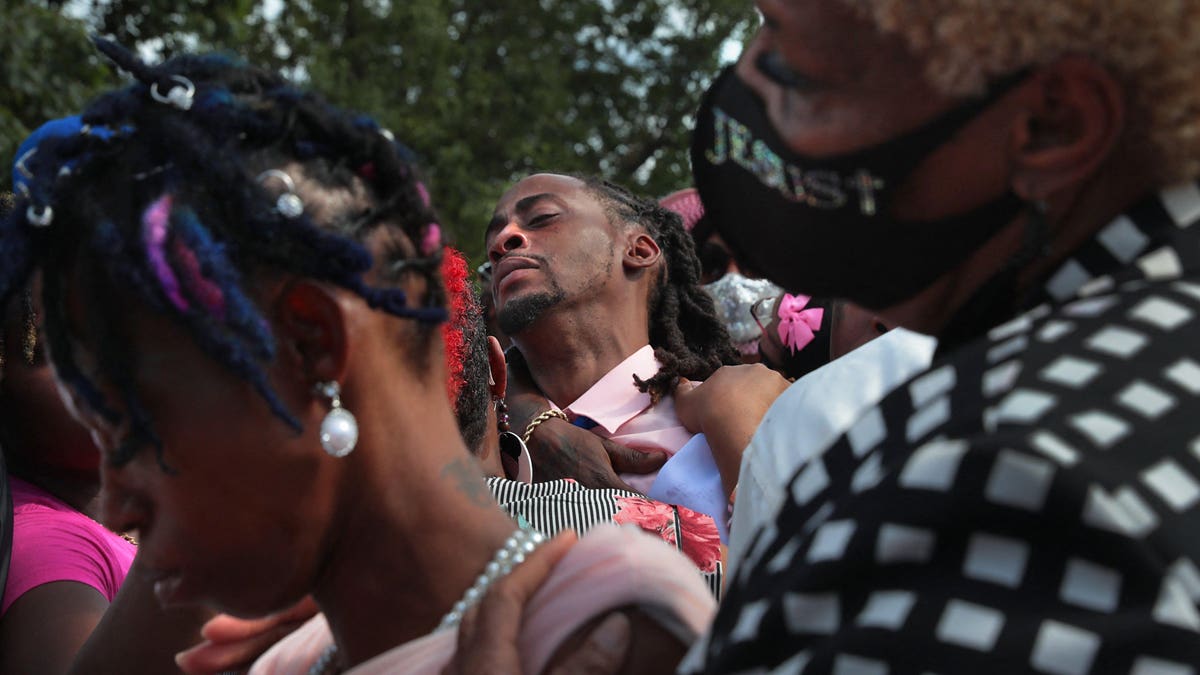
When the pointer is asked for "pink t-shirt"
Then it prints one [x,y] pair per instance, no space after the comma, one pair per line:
[609,568]
[54,542]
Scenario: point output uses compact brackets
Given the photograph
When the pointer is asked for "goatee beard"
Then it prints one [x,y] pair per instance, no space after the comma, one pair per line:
[518,314]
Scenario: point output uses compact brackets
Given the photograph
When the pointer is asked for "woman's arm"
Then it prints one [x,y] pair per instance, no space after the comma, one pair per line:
[135,635]
[43,630]
[727,408]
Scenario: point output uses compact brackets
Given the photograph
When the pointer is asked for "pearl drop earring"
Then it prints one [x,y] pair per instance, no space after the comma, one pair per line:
[339,429]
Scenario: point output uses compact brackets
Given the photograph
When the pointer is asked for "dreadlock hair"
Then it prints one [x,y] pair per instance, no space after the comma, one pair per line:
[27,336]
[6,205]
[688,337]
[157,196]
[467,362]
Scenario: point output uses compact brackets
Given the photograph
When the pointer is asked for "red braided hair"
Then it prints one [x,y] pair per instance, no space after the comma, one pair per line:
[458,290]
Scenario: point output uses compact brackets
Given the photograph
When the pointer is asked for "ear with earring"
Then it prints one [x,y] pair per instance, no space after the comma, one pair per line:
[339,429]
[513,456]
[507,445]
[501,415]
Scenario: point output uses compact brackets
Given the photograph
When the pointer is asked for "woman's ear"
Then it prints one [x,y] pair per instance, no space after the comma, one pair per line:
[498,381]
[1075,117]
[311,331]
[641,251]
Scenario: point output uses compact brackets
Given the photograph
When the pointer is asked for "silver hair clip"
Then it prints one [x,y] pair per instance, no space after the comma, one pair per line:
[38,216]
[151,172]
[20,165]
[180,95]
[288,204]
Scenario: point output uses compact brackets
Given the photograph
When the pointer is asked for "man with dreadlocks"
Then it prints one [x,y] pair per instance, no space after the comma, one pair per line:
[1019,180]
[600,292]
[240,304]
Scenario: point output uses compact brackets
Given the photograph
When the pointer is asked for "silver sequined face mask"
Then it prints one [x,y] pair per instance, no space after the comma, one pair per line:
[734,295]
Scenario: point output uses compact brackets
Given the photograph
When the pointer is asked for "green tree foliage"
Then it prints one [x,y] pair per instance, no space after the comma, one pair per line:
[47,69]
[484,91]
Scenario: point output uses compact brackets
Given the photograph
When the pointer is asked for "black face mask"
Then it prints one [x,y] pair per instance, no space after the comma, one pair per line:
[821,226]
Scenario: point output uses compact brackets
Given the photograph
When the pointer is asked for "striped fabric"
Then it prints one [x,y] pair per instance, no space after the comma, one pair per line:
[558,505]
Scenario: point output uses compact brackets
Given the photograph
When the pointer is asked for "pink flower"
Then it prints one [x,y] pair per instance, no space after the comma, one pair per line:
[701,541]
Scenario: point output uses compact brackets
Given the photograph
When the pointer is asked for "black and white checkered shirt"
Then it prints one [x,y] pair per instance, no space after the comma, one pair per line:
[1031,503]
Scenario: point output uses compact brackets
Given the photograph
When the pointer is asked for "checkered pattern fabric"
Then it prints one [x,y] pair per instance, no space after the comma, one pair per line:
[1029,504]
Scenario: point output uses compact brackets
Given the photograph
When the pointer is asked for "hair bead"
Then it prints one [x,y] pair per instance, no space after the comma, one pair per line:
[198,219]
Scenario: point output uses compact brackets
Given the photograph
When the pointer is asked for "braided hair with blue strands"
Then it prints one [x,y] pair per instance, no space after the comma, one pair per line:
[154,191]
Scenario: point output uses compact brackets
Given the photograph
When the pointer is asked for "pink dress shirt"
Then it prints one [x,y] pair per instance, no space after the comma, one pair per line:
[624,414]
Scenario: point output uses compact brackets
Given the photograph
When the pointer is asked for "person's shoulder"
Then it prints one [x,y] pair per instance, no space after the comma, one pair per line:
[1082,413]
[572,503]
[506,487]
[1106,364]
[1112,349]
[49,545]
[38,529]
[627,543]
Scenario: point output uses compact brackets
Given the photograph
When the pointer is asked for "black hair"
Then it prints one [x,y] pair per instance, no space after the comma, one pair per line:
[688,337]
[7,201]
[6,205]
[474,396]
[714,255]
[28,333]
[158,197]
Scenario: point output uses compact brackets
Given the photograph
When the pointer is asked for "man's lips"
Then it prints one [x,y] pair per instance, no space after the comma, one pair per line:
[509,265]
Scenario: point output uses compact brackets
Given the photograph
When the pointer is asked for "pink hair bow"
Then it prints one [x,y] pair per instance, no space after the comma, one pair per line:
[796,324]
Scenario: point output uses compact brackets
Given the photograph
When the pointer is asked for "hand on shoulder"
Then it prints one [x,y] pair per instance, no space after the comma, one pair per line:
[727,408]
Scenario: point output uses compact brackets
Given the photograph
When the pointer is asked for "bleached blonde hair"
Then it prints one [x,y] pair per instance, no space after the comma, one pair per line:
[1152,47]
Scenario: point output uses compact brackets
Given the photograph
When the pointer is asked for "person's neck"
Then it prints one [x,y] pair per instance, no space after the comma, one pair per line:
[488,452]
[420,528]
[1072,221]
[569,352]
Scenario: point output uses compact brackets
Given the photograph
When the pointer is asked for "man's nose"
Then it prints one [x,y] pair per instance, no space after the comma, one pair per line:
[510,238]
